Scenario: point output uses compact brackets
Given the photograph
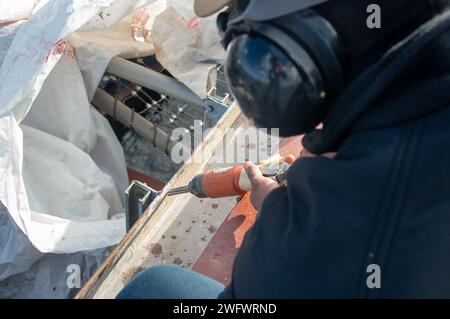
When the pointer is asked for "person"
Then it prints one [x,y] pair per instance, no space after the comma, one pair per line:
[373,221]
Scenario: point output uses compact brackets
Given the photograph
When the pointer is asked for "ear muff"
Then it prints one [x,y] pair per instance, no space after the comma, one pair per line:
[305,70]
[321,41]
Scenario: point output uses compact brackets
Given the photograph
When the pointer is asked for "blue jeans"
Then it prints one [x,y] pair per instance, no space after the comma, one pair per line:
[171,282]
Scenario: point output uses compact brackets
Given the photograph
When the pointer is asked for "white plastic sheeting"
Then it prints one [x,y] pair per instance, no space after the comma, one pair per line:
[187,46]
[62,169]
[11,10]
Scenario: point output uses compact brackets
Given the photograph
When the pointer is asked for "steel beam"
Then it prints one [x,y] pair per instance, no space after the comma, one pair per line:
[153,80]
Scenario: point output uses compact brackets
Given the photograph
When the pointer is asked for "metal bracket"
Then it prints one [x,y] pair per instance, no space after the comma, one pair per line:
[214,107]
[138,196]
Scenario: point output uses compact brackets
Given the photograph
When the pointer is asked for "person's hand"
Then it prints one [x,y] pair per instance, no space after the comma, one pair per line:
[261,185]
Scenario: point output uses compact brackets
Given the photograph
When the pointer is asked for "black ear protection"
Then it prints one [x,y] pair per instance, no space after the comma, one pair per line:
[284,70]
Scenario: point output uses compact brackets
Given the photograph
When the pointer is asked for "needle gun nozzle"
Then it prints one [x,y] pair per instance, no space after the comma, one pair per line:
[179,190]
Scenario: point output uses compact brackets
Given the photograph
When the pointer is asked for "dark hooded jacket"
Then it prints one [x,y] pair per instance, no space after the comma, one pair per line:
[383,200]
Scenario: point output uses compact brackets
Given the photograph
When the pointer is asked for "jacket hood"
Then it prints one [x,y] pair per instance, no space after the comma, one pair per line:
[409,82]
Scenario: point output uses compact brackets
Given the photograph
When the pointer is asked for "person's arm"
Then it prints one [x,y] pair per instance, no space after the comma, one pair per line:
[262,186]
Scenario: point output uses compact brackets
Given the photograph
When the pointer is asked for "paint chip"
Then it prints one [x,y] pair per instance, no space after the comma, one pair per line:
[211,229]
[177,261]
[156,249]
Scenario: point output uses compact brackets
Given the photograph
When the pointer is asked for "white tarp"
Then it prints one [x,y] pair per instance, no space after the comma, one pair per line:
[62,169]
[187,46]
[11,11]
